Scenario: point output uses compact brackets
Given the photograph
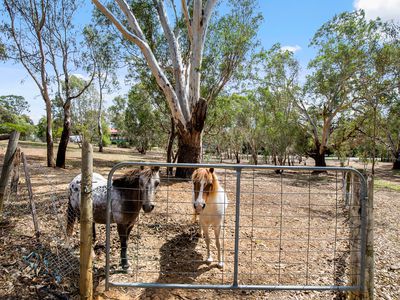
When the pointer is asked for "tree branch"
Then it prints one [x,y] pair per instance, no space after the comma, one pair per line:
[187,20]
[158,73]
[209,7]
[175,57]
[133,23]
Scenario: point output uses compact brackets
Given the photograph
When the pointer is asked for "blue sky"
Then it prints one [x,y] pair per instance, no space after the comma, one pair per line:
[292,23]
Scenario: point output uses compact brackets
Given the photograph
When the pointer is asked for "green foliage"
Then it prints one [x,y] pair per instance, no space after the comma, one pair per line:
[378,183]
[14,104]
[11,117]
[230,43]
[2,51]
[141,120]
[106,140]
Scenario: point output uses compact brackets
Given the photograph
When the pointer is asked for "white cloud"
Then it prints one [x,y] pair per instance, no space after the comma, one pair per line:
[81,76]
[291,48]
[385,9]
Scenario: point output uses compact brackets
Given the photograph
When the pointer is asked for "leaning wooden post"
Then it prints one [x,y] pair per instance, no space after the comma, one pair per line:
[355,239]
[31,201]
[86,220]
[6,170]
[15,172]
[370,253]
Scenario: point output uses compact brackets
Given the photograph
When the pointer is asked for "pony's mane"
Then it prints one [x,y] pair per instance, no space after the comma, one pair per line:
[203,174]
[131,178]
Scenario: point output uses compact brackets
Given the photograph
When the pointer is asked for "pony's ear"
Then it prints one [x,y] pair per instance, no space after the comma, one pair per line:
[211,170]
[141,167]
[155,169]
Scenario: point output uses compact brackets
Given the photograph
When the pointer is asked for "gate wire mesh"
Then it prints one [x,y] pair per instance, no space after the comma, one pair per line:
[290,231]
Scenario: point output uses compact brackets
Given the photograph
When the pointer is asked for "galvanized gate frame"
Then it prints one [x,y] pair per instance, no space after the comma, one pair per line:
[235,286]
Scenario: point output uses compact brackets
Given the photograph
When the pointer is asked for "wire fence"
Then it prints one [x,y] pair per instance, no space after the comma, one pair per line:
[47,255]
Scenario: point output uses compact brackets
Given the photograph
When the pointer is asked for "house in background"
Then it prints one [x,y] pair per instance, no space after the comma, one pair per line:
[116,137]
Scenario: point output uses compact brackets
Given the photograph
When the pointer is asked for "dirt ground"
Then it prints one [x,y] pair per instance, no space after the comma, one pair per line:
[294,230]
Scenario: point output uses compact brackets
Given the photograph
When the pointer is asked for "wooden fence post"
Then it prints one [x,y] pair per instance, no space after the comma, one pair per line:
[355,241]
[370,253]
[6,170]
[31,201]
[86,220]
[15,172]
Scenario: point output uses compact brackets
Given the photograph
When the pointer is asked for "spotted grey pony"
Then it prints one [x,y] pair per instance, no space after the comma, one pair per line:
[129,193]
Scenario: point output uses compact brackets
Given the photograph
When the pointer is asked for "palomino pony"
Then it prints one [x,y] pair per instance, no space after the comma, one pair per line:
[210,203]
[129,193]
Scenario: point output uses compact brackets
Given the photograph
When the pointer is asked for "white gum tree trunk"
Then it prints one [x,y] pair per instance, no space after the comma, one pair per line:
[183,97]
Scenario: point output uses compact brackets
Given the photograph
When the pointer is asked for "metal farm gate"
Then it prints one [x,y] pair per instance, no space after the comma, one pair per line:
[285,229]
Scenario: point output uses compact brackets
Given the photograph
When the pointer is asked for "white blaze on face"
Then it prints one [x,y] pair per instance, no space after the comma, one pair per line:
[198,193]
[149,189]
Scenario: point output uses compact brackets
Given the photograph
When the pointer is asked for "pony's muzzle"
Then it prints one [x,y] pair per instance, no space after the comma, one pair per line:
[147,208]
[199,207]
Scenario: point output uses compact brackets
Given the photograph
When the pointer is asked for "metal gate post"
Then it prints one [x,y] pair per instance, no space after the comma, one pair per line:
[237,226]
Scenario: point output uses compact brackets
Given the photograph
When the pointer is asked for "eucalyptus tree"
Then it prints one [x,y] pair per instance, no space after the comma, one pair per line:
[278,93]
[222,131]
[43,38]
[105,55]
[116,112]
[24,30]
[84,109]
[15,104]
[375,87]
[331,88]
[392,133]
[13,115]
[66,57]
[185,41]
[385,88]
[142,120]
[251,124]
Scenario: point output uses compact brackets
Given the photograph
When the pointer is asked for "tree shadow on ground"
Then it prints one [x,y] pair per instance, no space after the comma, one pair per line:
[179,263]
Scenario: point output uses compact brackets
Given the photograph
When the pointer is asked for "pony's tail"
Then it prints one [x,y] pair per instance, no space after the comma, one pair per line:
[71,216]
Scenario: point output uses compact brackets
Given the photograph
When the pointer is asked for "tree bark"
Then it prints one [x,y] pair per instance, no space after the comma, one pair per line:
[319,155]
[319,159]
[49,135]
[190,140]
[6,170]
[237,156]
[62,147]
[189,151]
[99,127]
[171,139]
[396,163]
[254,156]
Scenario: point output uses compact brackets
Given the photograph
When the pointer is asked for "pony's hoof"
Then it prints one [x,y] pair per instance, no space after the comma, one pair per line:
[125,267]
[220,265]
[209,260]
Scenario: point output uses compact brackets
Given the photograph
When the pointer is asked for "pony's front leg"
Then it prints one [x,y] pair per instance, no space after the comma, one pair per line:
[207,239]
[123,237]
[217,231]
